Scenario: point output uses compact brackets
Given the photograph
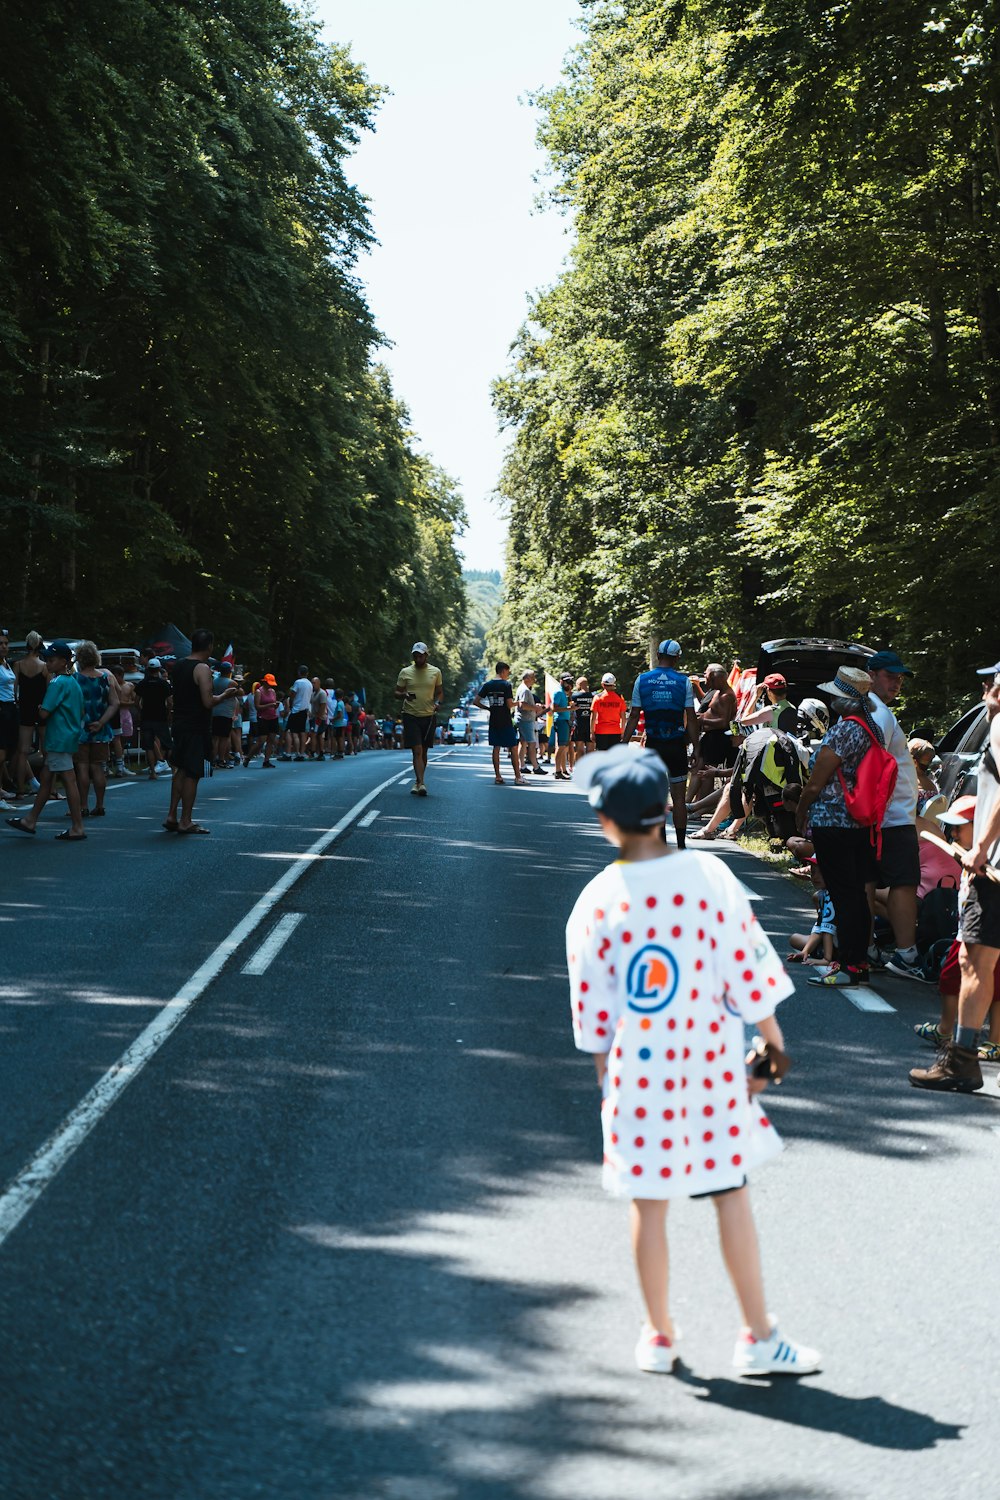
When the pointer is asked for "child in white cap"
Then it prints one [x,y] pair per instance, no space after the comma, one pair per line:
[666,964]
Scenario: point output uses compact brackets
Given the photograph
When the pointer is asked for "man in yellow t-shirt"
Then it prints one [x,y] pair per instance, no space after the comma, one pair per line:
[421,689]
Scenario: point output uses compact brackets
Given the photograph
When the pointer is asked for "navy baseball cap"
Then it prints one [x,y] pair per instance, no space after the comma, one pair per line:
[628,786]
[668,648]
[989,671]
[58,648]
[888,661]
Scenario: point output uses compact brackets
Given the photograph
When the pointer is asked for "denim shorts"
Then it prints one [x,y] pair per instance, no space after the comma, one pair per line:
[527,731]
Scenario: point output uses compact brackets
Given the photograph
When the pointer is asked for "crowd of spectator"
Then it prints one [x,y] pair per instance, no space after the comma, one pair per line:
[69,723]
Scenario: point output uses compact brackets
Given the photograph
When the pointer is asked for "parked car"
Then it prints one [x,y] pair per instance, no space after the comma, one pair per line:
[459,731]
[960,749]
[806,661]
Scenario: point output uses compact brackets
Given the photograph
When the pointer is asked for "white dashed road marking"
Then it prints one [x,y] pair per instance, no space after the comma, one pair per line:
[272,945]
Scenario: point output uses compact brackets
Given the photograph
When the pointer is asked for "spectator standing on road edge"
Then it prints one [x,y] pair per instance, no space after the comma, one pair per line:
[299,713]
[497,697]
[843,847]
[194,701]
[583,701]
[559,733]
[636,954]
[526,720]
[898,865]
[666,697]
[607,713]
[957,1067]
[421,688]
[62,714]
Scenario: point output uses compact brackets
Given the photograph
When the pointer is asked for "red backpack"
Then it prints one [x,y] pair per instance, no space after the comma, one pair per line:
[873,785]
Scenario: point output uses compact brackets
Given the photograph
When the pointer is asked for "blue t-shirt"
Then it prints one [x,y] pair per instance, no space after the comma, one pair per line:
[663,695]
[560,704]
[63,702]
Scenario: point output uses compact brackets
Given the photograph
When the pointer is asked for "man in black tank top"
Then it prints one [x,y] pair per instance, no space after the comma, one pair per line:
[194,701]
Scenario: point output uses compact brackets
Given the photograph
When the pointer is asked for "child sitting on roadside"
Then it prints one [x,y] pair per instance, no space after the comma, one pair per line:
[824,929]
[666,963]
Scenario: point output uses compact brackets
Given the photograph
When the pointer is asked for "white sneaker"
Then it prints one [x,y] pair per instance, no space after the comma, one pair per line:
[654,1352]
[774,1356]
[32,785]
[7,806]
[162,769]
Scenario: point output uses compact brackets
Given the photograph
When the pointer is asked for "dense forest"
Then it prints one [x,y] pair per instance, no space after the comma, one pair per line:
[764,397]
[193,422]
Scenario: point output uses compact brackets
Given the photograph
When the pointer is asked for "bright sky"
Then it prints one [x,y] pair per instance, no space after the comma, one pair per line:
[450,173]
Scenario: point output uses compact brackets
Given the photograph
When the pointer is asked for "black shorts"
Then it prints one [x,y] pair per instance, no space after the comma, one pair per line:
[580,733]
[297,721]
[716,748]
[151,730]
[222,728]
[900,860]
[979,918]
[605,741]
[190,750]
[674,755]
[9,726]
[418,731]
[720,1192]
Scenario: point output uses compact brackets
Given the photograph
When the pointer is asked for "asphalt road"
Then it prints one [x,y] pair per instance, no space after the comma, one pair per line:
[343,1235]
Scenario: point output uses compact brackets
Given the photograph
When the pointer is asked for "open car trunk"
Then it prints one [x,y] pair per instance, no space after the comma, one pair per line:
[806,661]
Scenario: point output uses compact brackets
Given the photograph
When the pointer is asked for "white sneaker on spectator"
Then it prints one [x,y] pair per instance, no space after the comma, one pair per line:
[655,1353]
[773,1356]
[162,768]
[7,806]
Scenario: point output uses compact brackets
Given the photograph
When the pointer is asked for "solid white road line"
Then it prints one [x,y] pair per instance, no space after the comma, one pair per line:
[866,999]
[368,819]
[29,1184]
[272,945]
[750,895]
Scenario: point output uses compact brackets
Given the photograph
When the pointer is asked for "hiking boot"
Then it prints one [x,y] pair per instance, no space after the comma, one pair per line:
[955,1070]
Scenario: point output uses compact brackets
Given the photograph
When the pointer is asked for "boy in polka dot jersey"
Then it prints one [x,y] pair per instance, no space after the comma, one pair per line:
[666,964]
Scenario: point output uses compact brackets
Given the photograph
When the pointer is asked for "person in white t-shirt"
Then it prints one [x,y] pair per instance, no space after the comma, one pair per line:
[298,715]
[899,864]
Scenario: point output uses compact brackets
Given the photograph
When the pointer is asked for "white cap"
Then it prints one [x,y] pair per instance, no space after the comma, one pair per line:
[154,661]
[419,648]
[609,680]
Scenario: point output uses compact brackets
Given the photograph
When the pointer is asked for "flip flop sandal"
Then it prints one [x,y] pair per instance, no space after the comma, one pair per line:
[169,825]
[499,781]
[68,837]
[99,812]
[18,823]
[989,1052]
[704,835]
[195,828]
[930,1031]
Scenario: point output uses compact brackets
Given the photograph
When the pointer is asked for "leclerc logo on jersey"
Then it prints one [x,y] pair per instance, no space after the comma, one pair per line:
[652,979]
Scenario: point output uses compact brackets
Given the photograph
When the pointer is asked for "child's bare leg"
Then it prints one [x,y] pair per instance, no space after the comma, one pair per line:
[741,1253]
[649,1246]
[949,1014]
[994,1020]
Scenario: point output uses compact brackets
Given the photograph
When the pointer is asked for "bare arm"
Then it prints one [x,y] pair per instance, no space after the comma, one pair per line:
[112,707]
[827,762]
[977,857]
[632,721]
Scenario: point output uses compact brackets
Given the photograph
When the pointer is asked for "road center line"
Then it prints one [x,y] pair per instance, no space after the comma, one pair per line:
[262,959]
[27,1187]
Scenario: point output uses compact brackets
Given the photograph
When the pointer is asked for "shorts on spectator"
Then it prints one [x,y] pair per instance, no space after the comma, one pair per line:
[716,748]
[58,761]
[418,731]
[93,750]
[560,731]
[9,726]
[527,731]
[505,737]
[222,728]
[674,755]
[605,741]
[979,917]
[297,721]
[900,860]
[151,730]
[190,752]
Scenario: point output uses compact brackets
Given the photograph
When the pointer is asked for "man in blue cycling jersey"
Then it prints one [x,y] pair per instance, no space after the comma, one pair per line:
[666,697]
